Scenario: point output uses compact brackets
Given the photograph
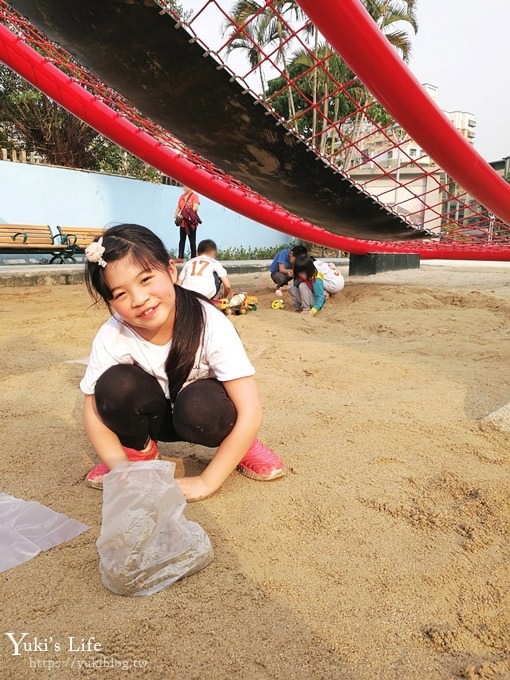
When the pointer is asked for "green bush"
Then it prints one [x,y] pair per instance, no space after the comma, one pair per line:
[242,253]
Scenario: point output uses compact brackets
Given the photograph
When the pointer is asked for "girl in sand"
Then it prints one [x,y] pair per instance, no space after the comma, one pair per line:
[166,366]
[308,292]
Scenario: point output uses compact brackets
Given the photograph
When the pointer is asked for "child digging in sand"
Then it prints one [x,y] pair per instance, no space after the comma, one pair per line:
[166,366]
[281,267]
[308,293]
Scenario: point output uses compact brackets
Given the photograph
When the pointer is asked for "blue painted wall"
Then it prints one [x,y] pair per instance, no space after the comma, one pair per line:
[37,194]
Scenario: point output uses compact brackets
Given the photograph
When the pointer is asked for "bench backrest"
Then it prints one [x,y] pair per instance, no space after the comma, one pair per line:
[80,237]
[25,234]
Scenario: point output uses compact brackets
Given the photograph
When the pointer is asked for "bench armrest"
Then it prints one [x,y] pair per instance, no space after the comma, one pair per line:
[21,233]
[67,239]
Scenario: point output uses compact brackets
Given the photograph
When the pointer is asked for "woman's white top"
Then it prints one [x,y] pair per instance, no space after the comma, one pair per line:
[221,354]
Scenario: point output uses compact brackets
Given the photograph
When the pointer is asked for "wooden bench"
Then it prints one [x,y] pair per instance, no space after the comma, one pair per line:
[33,238]
[78,238]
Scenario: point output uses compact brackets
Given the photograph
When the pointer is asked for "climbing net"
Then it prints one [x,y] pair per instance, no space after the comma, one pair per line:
[278,55]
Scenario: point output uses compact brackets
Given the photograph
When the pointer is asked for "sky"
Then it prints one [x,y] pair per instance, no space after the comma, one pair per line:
[462,47]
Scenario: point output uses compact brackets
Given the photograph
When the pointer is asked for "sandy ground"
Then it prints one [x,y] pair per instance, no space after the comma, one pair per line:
[382,554]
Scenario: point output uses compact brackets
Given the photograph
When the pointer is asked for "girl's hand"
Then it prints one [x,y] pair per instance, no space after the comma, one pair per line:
[194,488]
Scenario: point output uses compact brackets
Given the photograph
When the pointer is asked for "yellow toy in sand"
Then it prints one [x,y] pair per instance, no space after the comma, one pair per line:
[278,304]
[241,303]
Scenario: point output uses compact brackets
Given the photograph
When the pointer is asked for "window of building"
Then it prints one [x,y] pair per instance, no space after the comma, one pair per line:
[412,152]
[390,154]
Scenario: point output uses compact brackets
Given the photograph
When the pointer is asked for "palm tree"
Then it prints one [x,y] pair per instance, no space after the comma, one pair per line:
[322,82]
[259,32]
[387,13]
[255,24]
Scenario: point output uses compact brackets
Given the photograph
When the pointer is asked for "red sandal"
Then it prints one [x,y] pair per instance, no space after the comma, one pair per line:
[261,463]
[95,476]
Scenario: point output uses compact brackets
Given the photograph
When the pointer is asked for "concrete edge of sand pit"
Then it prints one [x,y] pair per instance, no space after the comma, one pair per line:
[24,275]
[71,274]
[41,275]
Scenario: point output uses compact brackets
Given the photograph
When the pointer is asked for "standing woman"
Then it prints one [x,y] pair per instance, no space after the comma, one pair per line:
[187,219]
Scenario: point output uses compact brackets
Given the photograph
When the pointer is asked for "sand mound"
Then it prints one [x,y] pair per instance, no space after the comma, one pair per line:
[382,554]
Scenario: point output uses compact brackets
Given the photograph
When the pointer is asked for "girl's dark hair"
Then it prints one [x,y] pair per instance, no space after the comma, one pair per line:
[305,264]
[147,250]
[299,251]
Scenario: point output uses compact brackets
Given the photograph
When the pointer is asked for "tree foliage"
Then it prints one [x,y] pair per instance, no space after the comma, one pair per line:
[32,122]
[315,98]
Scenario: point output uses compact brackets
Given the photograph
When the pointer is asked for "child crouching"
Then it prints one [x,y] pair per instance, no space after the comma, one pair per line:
[204,274]
[333,279]
[308,292]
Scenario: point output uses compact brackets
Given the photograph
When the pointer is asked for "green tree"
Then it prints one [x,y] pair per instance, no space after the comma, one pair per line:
[393,18]
[261,31]
[175,8]
[254,24]
[388,15]
[32,122]
[253,20]
[322,83]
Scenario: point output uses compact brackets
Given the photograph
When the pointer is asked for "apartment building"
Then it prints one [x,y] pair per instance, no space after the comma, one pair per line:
[386,159]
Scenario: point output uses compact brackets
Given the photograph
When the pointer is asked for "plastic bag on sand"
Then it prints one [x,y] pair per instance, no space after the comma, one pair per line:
[27,527]
[146,543]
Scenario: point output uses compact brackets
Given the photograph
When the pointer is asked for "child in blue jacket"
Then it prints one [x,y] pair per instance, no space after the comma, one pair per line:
[307,293]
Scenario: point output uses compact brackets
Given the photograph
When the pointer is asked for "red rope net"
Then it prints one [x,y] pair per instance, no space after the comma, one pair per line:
[277,54]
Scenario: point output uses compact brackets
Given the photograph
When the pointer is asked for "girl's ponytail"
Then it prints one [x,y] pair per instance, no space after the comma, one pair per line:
[187,337]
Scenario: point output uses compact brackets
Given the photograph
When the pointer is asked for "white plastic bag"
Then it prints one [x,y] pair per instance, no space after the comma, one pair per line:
[146,543]
[27,527]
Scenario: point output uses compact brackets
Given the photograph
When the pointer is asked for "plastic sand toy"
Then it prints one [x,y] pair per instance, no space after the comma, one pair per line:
[241,303]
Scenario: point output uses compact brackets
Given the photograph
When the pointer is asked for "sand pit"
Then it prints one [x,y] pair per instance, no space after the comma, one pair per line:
[384,552]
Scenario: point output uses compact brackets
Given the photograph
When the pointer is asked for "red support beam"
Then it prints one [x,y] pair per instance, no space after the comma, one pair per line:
[43,75]
[356,37]
[46,77]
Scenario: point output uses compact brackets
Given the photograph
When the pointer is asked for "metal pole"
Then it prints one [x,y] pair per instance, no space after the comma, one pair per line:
[490,235]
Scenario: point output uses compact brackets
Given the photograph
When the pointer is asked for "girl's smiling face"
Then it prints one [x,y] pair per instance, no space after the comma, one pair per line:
[144,298]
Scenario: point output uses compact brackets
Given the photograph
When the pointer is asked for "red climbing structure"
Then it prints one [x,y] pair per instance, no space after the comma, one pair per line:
[388,164]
